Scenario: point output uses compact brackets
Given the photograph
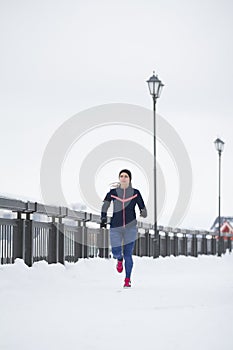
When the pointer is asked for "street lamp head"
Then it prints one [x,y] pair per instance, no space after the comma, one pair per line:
[155,86]
[219,145]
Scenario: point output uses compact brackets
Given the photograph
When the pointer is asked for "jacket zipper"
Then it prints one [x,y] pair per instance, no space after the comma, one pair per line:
[123,208]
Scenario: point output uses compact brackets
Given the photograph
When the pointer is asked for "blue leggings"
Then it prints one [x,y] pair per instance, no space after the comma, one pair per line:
[127,237]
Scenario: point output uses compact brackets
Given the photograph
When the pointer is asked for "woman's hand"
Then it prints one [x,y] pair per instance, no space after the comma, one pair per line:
[143,212]
[103,223]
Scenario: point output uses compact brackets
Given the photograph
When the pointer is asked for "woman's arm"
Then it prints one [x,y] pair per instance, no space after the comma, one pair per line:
[141,205]
[104,209]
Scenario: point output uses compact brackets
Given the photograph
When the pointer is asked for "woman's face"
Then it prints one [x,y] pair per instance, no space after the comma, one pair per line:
[124,179]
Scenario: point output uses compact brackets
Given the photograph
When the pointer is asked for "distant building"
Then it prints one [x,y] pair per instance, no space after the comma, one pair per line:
[226,224]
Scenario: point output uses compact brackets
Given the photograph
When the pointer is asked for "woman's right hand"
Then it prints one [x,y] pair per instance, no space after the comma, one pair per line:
[103,223]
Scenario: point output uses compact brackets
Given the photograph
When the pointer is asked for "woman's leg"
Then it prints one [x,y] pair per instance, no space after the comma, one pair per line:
[129,240]
[116,242]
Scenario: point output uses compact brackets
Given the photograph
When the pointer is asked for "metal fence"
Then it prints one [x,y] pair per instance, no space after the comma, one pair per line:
[57,241]
[6,241]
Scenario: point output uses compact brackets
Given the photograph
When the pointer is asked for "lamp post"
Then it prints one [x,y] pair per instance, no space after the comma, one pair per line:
[155,87]
[219,145]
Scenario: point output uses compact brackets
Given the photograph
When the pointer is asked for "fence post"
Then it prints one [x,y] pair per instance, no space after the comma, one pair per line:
[168,244]
[147,243]
[139,245]
[84,240]
[204,245]
[224,245]
[185,245]
[52,246]
[163,249]
[213,245]
[176,252]
[151,244]
[60,229]
[229,244]
[136,245]
[220,246]
[78,243]
[18,238]
[100,242]
[28,248]
[172,245]
[106,244]
[142,245]
[103,243]
[156,245]
[194,246]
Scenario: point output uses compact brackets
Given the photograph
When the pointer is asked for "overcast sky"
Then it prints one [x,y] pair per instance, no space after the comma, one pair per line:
[61,57]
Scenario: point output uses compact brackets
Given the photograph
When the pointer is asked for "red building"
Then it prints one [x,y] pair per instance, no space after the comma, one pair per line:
[226,225]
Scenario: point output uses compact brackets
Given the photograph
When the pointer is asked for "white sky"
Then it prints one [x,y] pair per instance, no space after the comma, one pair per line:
[61,57]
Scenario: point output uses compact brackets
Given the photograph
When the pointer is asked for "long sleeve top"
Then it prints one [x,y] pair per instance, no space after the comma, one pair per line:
[124,202]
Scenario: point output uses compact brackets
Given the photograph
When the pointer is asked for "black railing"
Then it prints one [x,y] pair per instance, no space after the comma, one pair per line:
[58,234]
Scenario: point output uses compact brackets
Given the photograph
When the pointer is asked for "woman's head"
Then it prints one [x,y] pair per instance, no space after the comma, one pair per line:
[125,177]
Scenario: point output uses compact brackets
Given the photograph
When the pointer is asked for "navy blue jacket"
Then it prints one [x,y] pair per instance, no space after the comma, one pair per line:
[124,202]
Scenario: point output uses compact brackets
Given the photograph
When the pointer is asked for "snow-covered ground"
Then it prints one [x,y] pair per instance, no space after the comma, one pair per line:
[174,303]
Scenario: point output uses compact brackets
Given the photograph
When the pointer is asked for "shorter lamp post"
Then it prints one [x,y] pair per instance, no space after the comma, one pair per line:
[155,87]
[219,145]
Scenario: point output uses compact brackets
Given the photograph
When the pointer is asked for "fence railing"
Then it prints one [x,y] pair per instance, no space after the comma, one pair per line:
[58,234]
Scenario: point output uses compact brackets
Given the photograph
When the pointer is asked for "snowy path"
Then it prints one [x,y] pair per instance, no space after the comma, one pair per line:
[175,303]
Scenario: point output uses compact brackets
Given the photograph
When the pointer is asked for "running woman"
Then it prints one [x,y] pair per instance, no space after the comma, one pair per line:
[123,225]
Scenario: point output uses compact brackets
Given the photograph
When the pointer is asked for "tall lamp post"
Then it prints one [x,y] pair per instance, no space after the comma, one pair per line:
[219,145]
[155,87]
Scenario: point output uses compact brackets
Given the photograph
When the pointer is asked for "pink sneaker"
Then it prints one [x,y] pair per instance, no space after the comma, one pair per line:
[127,283]
[119,266]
